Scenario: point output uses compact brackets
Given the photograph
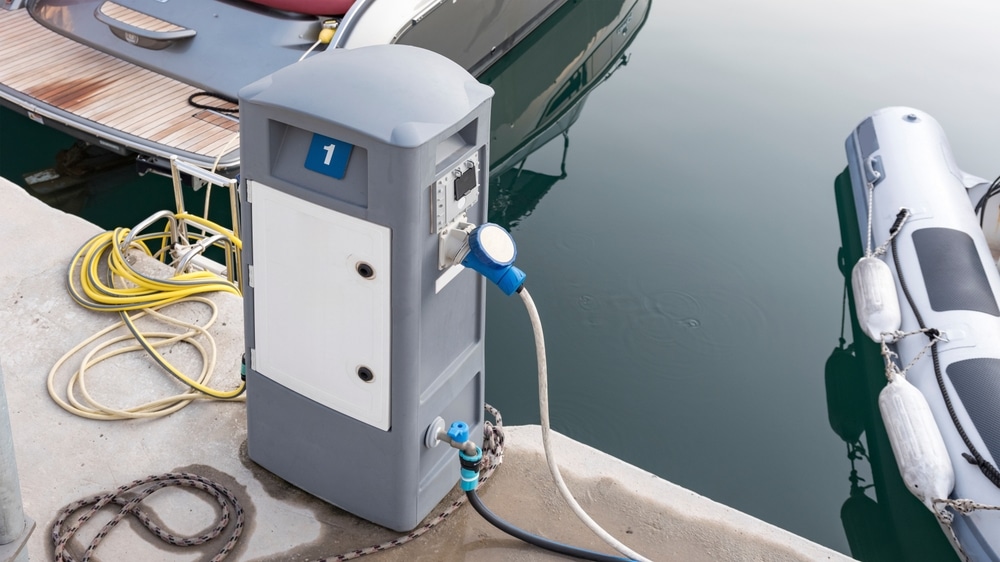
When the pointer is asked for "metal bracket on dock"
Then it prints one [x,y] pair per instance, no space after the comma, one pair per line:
[9,552]
[11,508]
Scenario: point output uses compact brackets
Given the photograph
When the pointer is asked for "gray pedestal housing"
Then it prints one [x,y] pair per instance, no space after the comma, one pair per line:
[354,164]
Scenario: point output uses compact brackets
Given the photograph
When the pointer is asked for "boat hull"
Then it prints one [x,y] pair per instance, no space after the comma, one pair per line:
[120,74]
[946,280]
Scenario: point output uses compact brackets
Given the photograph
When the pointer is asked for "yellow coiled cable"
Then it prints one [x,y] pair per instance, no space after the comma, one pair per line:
[124,290]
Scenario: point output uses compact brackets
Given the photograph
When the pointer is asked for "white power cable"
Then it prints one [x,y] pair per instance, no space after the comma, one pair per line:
[543,407]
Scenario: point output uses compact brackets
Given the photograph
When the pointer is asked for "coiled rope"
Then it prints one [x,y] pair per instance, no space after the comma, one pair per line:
[129,503]
[130,497]
[233,108]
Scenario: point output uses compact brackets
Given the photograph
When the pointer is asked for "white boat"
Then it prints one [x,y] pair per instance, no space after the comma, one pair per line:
[945,278]
[153,78]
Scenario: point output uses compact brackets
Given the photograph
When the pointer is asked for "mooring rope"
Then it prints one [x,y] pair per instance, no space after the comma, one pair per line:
[966,507]
[130,506]
[131,495]
[493,445]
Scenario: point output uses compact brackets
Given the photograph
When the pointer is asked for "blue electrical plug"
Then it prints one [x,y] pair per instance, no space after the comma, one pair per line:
[491,253]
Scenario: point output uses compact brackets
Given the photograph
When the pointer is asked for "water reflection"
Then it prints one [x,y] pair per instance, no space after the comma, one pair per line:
[541,87]
[893,526]
[76,173]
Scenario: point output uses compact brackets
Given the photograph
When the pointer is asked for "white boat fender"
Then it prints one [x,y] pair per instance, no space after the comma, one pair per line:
[875,299]
[917,444]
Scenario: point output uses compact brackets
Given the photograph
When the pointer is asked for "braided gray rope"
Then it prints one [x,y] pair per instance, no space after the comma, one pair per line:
[963,506]
[888,355]
[493,446]
[130,506]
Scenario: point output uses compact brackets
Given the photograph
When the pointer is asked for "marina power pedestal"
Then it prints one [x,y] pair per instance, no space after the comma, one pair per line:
[360,345]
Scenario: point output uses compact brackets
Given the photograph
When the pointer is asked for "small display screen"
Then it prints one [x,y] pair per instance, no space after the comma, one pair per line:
[465,183]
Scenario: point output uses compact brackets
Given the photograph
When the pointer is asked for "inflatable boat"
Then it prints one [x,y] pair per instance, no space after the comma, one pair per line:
[927,292]
[159,79]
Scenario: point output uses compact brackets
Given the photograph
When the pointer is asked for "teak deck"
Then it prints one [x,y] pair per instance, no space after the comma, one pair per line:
[106,91]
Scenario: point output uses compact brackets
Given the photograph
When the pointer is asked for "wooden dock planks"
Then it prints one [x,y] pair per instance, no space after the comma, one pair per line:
[107,91]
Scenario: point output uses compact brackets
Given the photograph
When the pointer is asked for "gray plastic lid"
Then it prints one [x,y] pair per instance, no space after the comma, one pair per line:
[360,89]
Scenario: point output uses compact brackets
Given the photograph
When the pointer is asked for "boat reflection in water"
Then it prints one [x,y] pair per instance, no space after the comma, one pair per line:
[892,526]
[541,87]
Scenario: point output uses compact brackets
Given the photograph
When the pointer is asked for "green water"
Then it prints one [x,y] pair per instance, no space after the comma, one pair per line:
[683,248]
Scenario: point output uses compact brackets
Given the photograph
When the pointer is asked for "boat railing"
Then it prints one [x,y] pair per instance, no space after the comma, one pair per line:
[196,233]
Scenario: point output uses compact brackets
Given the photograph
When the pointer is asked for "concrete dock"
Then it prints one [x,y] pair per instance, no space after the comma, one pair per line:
[62,458]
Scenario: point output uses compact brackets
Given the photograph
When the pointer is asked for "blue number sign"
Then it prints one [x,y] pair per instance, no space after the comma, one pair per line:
[328,156]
